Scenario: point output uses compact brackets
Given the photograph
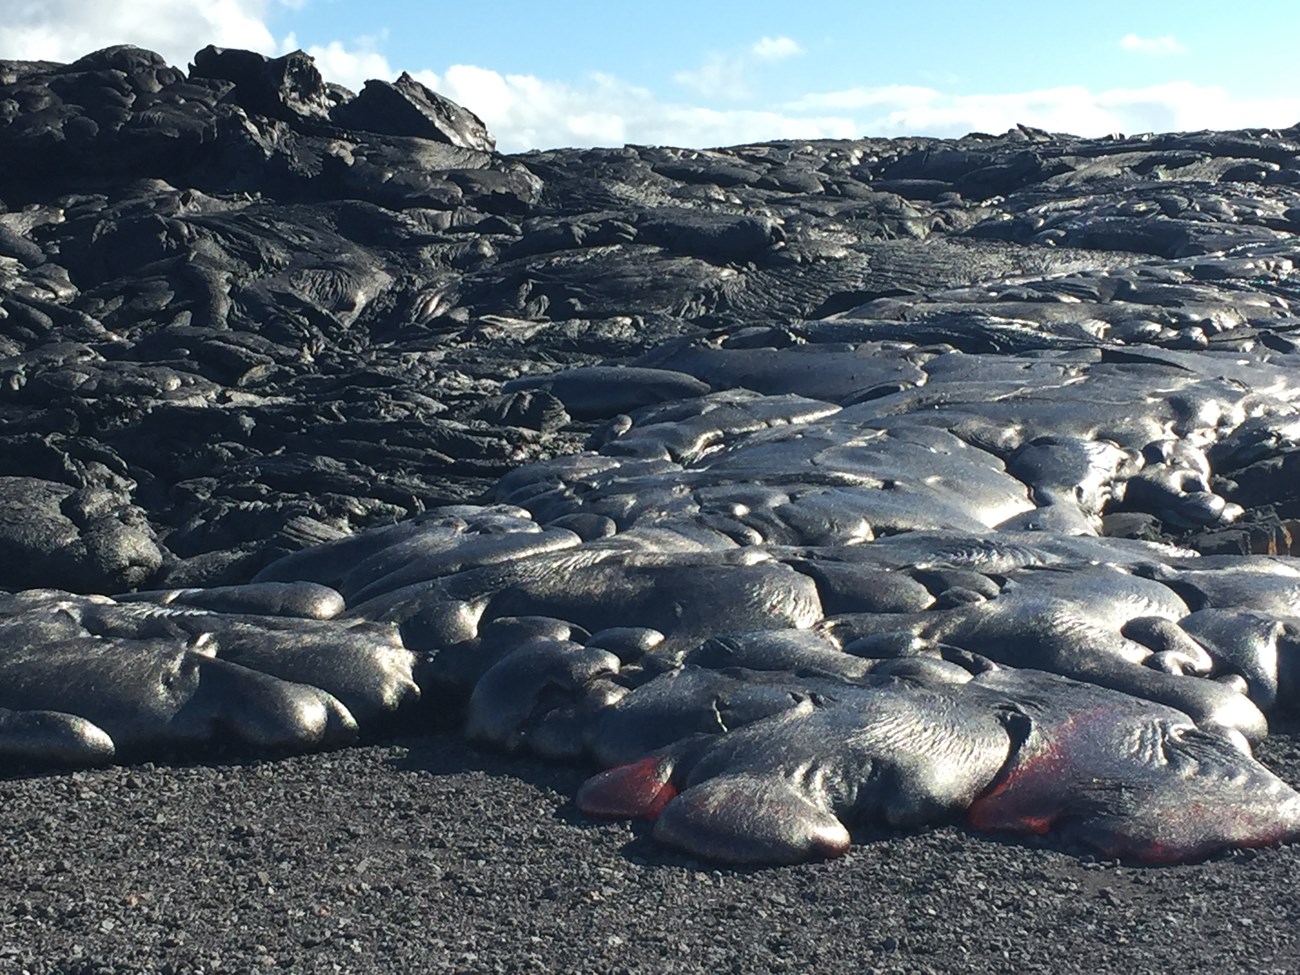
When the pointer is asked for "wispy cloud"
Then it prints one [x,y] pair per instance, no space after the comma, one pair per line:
[727,75]
[720,76]
[1157,46]
[775,48]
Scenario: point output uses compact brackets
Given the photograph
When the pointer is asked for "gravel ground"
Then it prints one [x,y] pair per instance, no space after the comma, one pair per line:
[423,854]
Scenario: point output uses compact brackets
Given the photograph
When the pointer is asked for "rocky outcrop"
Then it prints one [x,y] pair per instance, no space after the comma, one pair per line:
[407,108]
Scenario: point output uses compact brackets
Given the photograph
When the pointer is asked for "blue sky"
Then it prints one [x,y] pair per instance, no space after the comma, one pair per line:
[577,72]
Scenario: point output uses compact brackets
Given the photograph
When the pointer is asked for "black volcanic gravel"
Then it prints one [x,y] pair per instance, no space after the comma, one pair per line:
[424,854]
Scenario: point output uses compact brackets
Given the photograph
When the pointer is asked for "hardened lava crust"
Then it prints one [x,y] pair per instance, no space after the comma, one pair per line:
[868,554]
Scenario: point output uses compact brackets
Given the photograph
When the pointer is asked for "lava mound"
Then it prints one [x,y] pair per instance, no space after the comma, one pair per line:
[800,486]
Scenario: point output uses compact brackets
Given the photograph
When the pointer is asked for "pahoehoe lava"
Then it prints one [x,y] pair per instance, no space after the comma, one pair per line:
[800,487]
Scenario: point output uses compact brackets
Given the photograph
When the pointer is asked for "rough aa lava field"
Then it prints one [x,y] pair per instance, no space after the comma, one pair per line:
[415,555]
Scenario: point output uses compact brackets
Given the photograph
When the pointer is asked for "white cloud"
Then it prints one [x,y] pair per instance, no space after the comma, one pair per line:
[1180,105]
[851,99]
[1158,46]
[64,30]
[775,48]
[525,112]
